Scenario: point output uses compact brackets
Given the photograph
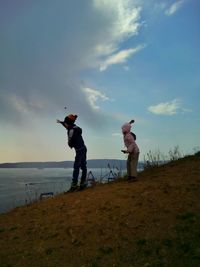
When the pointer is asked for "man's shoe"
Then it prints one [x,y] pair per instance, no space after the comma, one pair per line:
[132,179]
[73,188]
[82,186]
[128,178]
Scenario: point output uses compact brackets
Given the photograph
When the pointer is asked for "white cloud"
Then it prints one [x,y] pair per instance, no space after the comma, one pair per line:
[93,96]
[174,8]
[167,108]
[123,23]
[24,105]
[18,104]
[120,57]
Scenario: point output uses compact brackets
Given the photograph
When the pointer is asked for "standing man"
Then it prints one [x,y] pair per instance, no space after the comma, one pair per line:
[75,140]
[132,150]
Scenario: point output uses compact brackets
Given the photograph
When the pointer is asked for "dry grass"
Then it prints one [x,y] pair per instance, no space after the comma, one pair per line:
[152,222]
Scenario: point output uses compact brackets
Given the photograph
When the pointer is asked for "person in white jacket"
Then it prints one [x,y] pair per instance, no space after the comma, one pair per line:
[132,150]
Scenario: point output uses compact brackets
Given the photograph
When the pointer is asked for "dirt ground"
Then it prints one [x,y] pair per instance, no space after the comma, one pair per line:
[152,222]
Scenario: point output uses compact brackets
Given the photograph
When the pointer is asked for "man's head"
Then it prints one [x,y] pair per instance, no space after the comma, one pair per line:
[70,119]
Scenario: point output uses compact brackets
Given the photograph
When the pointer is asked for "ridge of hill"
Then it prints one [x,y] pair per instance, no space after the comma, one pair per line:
[92,163]
[152,222]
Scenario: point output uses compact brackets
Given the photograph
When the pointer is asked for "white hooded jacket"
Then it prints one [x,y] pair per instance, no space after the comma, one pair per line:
[129,139]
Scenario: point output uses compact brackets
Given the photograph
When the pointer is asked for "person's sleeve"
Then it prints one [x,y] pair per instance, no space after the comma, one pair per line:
[131,148]
[70,137]
[63,124]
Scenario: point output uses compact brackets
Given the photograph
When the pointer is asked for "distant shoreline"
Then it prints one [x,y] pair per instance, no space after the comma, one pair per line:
[93,163]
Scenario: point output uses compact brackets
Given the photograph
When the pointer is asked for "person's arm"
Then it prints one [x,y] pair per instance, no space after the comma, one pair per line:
[132,121]
[63,123]
[132,145]
[70,138]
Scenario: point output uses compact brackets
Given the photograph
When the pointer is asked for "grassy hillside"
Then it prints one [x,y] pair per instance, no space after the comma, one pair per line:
[150,223]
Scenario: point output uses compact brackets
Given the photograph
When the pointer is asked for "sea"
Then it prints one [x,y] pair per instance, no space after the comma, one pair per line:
[22,186]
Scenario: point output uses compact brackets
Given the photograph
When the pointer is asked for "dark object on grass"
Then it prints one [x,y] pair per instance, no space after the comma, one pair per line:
[48,194]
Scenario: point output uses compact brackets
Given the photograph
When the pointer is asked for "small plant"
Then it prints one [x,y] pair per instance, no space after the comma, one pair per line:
[153,159]
[196,150]
[113,173]
[174,154]
[156,158]
[197,154]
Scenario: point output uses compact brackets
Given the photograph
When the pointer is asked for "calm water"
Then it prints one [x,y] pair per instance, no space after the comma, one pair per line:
[22,186]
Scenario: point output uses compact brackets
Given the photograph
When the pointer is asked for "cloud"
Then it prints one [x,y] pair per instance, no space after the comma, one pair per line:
[160,6]
[120,57]
[123,23]
[174,8]
[93,96]
[167,108]
[44,50]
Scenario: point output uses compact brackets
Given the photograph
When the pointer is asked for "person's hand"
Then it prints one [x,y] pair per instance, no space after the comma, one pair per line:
[58,121]
[124,151]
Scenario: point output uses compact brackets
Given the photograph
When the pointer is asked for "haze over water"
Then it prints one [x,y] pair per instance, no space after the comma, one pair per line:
[23,186]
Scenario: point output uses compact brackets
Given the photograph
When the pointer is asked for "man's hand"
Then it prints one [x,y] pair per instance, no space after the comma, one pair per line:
[124,151]
[58,121]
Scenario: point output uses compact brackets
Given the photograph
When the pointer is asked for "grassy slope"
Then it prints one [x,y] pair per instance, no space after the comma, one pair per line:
[152,222]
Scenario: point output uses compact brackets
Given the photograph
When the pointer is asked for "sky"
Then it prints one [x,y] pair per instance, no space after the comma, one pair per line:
[108,61]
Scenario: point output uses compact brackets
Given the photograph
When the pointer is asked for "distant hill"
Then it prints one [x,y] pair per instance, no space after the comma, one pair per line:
[92,163]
